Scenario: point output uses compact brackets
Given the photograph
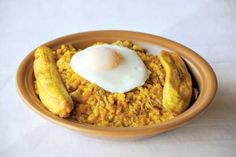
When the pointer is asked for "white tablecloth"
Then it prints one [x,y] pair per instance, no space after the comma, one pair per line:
[206,26]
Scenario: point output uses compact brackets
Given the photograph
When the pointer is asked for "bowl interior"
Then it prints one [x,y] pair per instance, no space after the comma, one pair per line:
[200,69]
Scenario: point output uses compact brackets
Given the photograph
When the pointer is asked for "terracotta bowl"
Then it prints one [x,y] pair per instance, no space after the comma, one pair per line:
[200,69]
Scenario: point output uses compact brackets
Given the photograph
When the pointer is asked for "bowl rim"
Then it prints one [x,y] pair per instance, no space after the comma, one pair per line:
[206,95]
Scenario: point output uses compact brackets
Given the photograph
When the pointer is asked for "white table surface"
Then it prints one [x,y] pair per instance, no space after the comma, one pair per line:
[206,26]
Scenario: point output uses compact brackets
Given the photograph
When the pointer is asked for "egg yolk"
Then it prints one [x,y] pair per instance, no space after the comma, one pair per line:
[103,58]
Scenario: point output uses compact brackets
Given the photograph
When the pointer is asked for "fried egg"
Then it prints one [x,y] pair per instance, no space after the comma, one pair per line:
[116,69]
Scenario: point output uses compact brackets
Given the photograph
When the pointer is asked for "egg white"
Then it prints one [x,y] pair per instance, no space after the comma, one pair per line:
[129,74]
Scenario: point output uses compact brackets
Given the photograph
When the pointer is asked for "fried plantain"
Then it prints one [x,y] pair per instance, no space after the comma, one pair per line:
[49,85]
[177,89]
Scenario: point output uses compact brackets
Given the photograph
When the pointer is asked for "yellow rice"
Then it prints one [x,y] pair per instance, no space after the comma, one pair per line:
[93,105]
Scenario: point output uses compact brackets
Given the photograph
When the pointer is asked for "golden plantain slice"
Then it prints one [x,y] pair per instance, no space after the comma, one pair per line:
[50,88]
[177,89]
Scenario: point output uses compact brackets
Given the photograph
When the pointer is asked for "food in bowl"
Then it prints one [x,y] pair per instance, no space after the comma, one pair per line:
[99,84]
[48,83]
